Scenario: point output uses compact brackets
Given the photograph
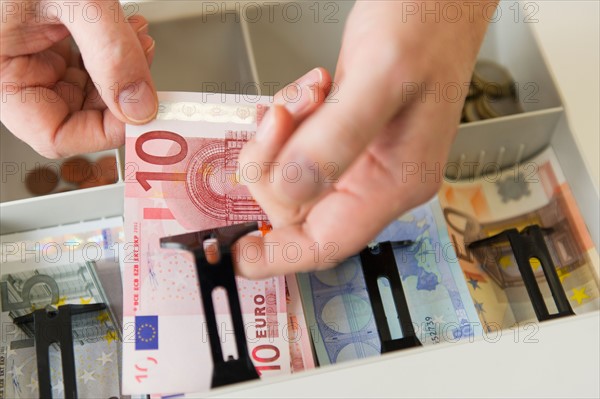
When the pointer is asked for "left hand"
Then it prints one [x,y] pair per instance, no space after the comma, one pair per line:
[64,101]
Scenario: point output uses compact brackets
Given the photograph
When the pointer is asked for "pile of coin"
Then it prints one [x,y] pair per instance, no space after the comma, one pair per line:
[492,93]
[75,172]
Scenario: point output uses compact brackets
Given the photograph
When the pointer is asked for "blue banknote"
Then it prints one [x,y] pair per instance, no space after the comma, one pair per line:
[338,308]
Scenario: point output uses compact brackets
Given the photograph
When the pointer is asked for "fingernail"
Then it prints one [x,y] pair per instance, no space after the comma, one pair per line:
[138,102]
[312,77]
[266,126]
[146,41]
[300,100]
[298,96]
[149,49]
[143,28]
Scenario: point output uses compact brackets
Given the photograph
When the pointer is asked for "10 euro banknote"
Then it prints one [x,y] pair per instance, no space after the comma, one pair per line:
[181,177]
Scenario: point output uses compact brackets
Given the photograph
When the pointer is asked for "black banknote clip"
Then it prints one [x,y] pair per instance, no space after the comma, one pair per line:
[211,276]
[528,244]
[52,326]
[378,261]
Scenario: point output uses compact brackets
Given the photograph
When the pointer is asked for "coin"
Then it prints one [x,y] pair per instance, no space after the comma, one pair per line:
[41,180]
[470,111]
[481,108]
[474,90]
[75,169]
[493,79]
[92,181]
[495,107]
[107,168]
[463,117]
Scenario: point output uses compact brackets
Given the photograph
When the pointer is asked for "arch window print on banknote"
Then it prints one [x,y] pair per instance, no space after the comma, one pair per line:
[212,183]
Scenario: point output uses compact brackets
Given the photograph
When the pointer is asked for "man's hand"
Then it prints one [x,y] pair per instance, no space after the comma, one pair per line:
[61,102]
[334,178]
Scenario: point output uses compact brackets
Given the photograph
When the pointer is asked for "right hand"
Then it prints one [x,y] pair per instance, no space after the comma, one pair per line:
[349,177]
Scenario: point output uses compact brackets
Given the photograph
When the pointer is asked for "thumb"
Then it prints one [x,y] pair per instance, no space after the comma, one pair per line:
[114,59]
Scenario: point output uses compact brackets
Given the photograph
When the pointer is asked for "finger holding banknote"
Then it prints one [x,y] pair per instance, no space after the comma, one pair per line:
[373,150]
[337,224]
[309,93]
[74,101]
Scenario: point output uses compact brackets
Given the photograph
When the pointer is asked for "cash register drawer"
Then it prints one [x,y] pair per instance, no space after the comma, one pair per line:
[239,48]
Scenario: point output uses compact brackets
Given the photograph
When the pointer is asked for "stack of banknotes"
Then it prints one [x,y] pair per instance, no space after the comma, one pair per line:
[532,193]
[180,176]
[72,264]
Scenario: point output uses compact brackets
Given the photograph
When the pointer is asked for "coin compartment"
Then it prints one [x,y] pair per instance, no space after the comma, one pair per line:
[280,52]
[18,159]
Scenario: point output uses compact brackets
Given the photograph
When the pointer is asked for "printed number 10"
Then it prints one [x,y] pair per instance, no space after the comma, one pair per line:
[144,177]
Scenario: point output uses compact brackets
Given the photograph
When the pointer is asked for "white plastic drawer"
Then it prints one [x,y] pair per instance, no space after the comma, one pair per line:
[209,52]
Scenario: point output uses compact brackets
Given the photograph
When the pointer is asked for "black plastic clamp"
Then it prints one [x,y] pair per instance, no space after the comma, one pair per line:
[56,326]
[379,261]
[211,276]
[528,244]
